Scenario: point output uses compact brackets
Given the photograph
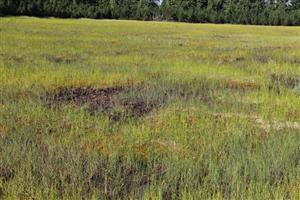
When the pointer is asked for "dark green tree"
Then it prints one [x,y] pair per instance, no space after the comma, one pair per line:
[267,12]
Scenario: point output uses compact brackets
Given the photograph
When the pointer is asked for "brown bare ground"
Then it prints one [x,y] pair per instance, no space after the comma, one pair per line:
[103,100]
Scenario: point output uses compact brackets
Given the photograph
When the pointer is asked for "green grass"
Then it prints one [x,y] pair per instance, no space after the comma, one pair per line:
[221,126]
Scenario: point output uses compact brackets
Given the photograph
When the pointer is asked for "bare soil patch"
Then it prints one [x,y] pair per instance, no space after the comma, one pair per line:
[80,96]
[103,100]
[121,103]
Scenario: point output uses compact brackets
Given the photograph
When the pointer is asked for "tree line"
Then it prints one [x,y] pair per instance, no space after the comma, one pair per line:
[262,12]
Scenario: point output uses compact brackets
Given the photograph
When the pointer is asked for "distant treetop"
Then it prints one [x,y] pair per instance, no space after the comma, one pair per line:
[262,12]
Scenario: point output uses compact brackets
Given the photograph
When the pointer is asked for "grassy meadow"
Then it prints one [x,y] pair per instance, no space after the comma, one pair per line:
[106,109]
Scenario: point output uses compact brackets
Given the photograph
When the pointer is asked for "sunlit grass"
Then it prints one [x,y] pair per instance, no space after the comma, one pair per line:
[219,126]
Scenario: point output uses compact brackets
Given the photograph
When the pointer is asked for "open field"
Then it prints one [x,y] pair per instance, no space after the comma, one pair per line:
[124,110]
